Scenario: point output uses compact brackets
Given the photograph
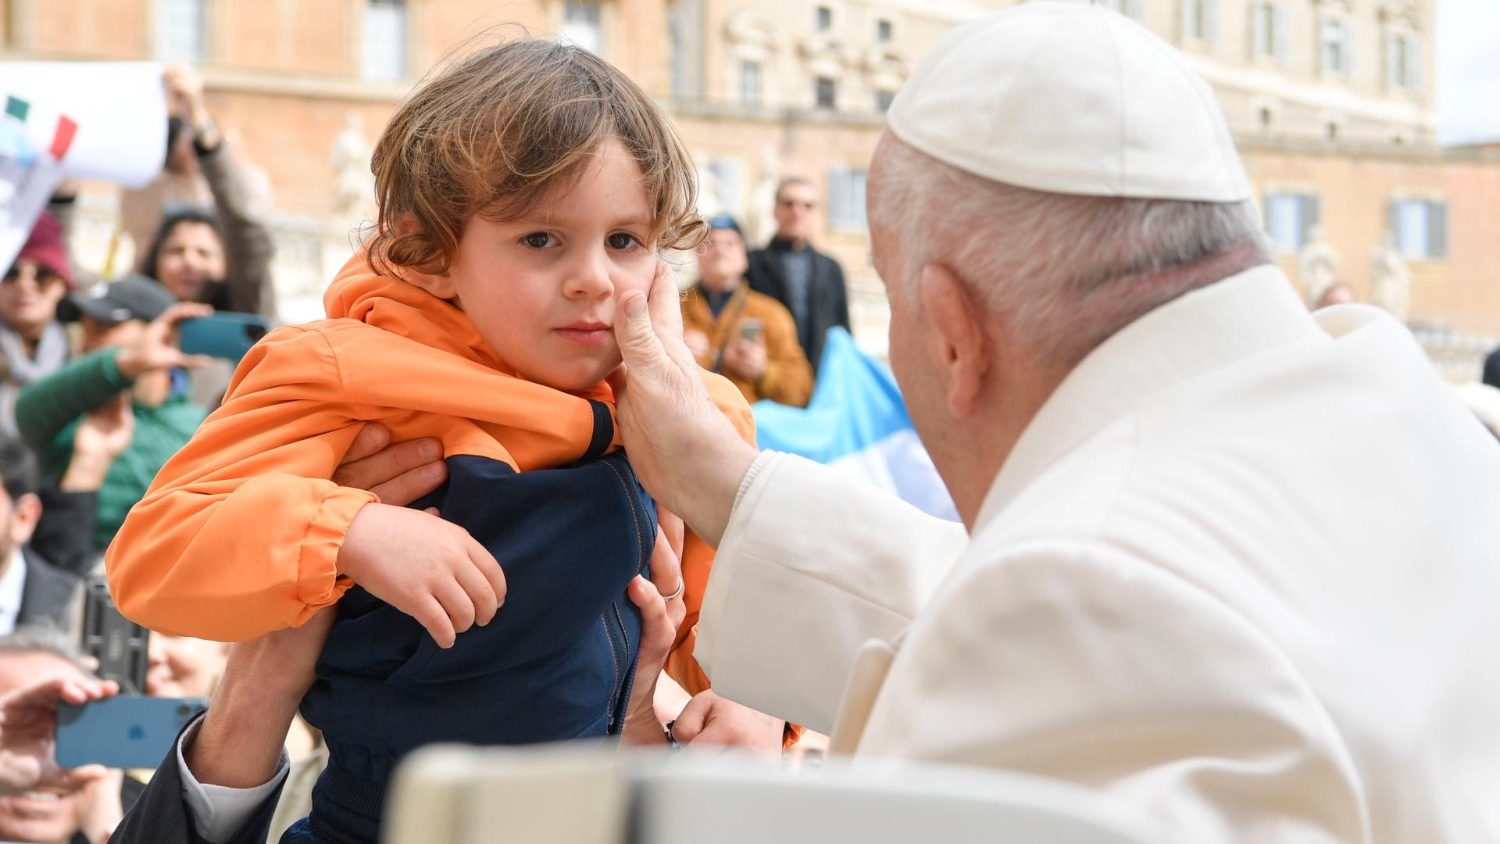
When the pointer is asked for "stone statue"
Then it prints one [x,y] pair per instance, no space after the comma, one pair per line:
[761,213]
[1318,265]
[354,184]
[1390,279]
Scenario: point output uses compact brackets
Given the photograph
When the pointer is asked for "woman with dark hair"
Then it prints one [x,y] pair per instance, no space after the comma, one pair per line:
[220,255]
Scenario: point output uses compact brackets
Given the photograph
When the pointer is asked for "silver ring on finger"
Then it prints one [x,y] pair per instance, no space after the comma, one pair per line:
[681,584]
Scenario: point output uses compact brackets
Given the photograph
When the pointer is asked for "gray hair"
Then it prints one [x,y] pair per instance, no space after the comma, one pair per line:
[1065,272]
[42,639]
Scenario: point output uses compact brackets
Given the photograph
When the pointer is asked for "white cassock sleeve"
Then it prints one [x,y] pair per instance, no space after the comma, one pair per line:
[1083,662]
[811,567]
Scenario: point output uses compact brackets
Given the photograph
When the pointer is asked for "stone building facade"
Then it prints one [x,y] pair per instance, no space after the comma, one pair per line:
[1331,103]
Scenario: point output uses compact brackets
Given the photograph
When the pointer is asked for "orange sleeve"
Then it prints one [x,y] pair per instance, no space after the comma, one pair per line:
[238,534]
[698,559]
[788,378]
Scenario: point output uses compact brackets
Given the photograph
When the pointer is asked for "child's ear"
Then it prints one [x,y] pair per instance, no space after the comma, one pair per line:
[439,284]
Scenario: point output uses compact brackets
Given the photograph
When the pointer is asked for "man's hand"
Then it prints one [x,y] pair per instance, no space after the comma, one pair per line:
[399,473]
[28,724]
[156,349]
[184,89]
[102,436]
[238,745]
[712,721]
[685,453]
[660,619]
[746,358]
[428,568]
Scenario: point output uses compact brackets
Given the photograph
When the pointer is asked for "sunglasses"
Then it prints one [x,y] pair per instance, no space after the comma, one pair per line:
[43,275]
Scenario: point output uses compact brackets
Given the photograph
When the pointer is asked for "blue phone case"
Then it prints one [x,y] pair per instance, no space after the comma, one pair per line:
[125,731]
[224,335]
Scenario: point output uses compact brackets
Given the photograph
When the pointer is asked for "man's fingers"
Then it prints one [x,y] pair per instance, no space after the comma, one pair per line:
[194,361]
[657,630]
[640,348]
[431,615]
[666,318]
[399,474]
[370,440]
[671,525]
[691,721]
[184,310]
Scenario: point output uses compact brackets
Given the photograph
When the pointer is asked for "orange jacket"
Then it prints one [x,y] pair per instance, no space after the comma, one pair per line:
[238,534]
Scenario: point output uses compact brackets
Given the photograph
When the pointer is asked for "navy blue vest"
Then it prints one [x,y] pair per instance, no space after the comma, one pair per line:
[555,663]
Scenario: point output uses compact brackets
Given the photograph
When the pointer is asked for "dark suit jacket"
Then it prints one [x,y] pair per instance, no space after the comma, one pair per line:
[161,814]
[828,301]
[47,594]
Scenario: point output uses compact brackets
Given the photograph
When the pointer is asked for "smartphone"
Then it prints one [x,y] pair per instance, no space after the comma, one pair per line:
[224,334]
[125,731]
[750,328]
[114,641]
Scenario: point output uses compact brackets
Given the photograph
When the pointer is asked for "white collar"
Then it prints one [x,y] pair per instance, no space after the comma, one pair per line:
[1200,331]
[12,586]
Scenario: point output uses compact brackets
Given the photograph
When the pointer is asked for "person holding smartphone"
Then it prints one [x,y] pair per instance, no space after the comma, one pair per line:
[746,336]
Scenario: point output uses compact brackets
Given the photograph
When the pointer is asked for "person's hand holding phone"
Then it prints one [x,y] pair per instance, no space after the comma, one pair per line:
[28,724]
[156,347]
[746,358]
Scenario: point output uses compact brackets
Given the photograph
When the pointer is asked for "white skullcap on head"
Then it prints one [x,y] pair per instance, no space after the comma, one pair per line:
[1066,97]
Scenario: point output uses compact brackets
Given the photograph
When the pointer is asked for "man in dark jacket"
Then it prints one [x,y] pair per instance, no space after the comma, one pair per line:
[809,283]
[32,591]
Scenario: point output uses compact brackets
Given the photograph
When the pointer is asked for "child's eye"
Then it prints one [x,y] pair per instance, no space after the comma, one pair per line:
[537,240]
[622,240]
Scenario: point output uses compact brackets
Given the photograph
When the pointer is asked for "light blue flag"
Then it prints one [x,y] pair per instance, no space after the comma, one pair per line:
[857,422]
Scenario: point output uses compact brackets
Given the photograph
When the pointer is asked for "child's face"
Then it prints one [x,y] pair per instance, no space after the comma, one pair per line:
[541,289]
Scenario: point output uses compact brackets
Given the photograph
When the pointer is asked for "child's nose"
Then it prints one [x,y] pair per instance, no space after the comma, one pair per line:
[590,277]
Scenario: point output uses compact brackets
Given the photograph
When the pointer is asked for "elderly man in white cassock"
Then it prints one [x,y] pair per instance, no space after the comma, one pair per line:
[1229,562]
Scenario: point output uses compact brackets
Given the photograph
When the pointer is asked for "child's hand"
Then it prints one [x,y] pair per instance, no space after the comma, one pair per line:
[430,569]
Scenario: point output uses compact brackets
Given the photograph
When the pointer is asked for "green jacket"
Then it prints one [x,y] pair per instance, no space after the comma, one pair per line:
[49,411]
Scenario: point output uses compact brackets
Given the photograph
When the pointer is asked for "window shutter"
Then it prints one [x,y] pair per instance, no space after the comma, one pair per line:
[1392,62]
[1211,21]
[1189,11]
[1312,214]
[1437,229]
[1350,43]
[1414,63]
[1281,22]
[1393,218]
[1258,32]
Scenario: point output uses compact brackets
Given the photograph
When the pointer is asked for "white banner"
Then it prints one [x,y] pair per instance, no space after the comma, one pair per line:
[86,120]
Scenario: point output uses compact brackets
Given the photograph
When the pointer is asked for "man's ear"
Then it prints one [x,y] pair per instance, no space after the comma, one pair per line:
[25,514]
[958,338]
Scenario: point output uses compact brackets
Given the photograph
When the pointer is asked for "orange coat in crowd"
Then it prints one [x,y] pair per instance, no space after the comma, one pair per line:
[788,378]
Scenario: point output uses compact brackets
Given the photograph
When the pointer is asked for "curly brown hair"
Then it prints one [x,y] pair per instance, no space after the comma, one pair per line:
[494,132]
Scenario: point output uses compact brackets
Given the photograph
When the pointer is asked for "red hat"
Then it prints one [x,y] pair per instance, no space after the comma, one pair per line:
[45,246]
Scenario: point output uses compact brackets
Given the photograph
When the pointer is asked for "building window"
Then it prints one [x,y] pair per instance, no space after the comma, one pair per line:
[1420,226]
[583,25]
[824,18]
[1403,62]
[846,198]
[1289,218]
[884,31]
[826,93]
[1270,30]
[1200,20]
[181,31]
[383,42]
[1336,40]
[1129,8]
[750,83]
[883,100]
